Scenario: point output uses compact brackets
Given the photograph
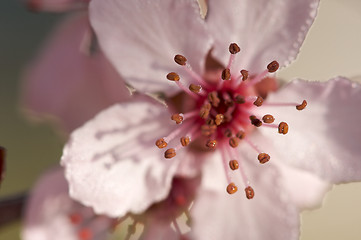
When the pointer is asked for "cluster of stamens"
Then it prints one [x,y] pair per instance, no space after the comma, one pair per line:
[223,115]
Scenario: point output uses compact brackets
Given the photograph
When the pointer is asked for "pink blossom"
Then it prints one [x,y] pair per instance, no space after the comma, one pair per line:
[113,166]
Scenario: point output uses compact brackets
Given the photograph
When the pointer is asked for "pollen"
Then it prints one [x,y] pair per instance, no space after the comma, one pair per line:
[258,102]
[232,188]
[233,142]
[213,98]
[239,99]
[240,134]
[178,118]
[172,76]
[302,105]
[180,59]
[273,66]
[185,141]
[268,118]
[255,121]
[204,112]
[211,144]
[226,74]
[233,164]
[219,119]
[263,158]
[170,153]
[234,48]
[161,143]
[249,192]
[195,88]
[244,74]
[283,128]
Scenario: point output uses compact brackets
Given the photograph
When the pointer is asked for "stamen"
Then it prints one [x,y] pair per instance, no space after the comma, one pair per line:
[160,143]
[85,234]
[180,59]
[231,188]
[273,66]
[178,118]
[249,192]
[172,76]
[228,132]
[208,130]
[258,101]
[233,142]
[234,48]
[283,128]
[170,153]
[239,99]
[211,144]
[263,158]
[268,118]
[226,74]
[219,119]
[302,105]
[185,141]
[213,98]
[195,88]
[189,115]
[255,121]
[244,74]
[186,90]
[205,109]
[240,134]
[233,164]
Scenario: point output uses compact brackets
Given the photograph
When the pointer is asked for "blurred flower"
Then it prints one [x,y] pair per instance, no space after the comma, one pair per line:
[113,166]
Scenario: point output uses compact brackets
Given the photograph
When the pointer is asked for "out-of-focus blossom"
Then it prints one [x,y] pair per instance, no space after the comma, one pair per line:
[113,166]
[56,5]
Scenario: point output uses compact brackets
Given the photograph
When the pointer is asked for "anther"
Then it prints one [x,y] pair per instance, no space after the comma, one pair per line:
[195,88]
[232,188]
[85,234]
[204,112]
[185,141]
[213,98]
[233,142]
[219,119]
[240,134]
[170,153]
[208,130]
[268,118]
[234,48]
[239,99]
[255,121]
[228,132]
[263,158]
[226,74]
[233,164]
[180,59]
[172,76]
[273,66]
[160,143]
[258,101]
[178,118]
[283,128]
[244,75]
[212,144]
[249,192]
[302,105]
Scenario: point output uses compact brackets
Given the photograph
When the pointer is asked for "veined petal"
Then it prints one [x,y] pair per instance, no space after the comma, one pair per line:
[325,137]
[66,83]
[218,215]
[112,163]
[265,30]
[142,37]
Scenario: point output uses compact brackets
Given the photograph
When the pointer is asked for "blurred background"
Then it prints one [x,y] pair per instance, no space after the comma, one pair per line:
[332,47]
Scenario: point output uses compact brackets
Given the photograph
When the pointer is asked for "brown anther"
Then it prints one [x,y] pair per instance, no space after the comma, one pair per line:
[234,48]
[244,75]
[233,142]
[263,158]
[204,112]
[228,102]
[211,144]
[210,121]
[302,105]
[226,74]
[283,128]
[255,121]
[160,143]
[213,98]
[172,76]
[273,66]
[180,59]
[268,118]
[249,192]
[228,132]
[178,118]
[258,101]
[170,153]
[185,141]
[240,134]
[233,164]
[195,88]
[231,188]
[208,130]
[219,119]
[239,99]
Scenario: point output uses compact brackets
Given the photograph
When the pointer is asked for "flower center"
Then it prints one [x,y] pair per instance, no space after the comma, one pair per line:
[222,116]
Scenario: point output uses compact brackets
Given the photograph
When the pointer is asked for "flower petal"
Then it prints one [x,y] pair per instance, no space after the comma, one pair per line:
[325,137]
[112,163]
[142,37]
[67,84]
[265,30]
[218,215]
